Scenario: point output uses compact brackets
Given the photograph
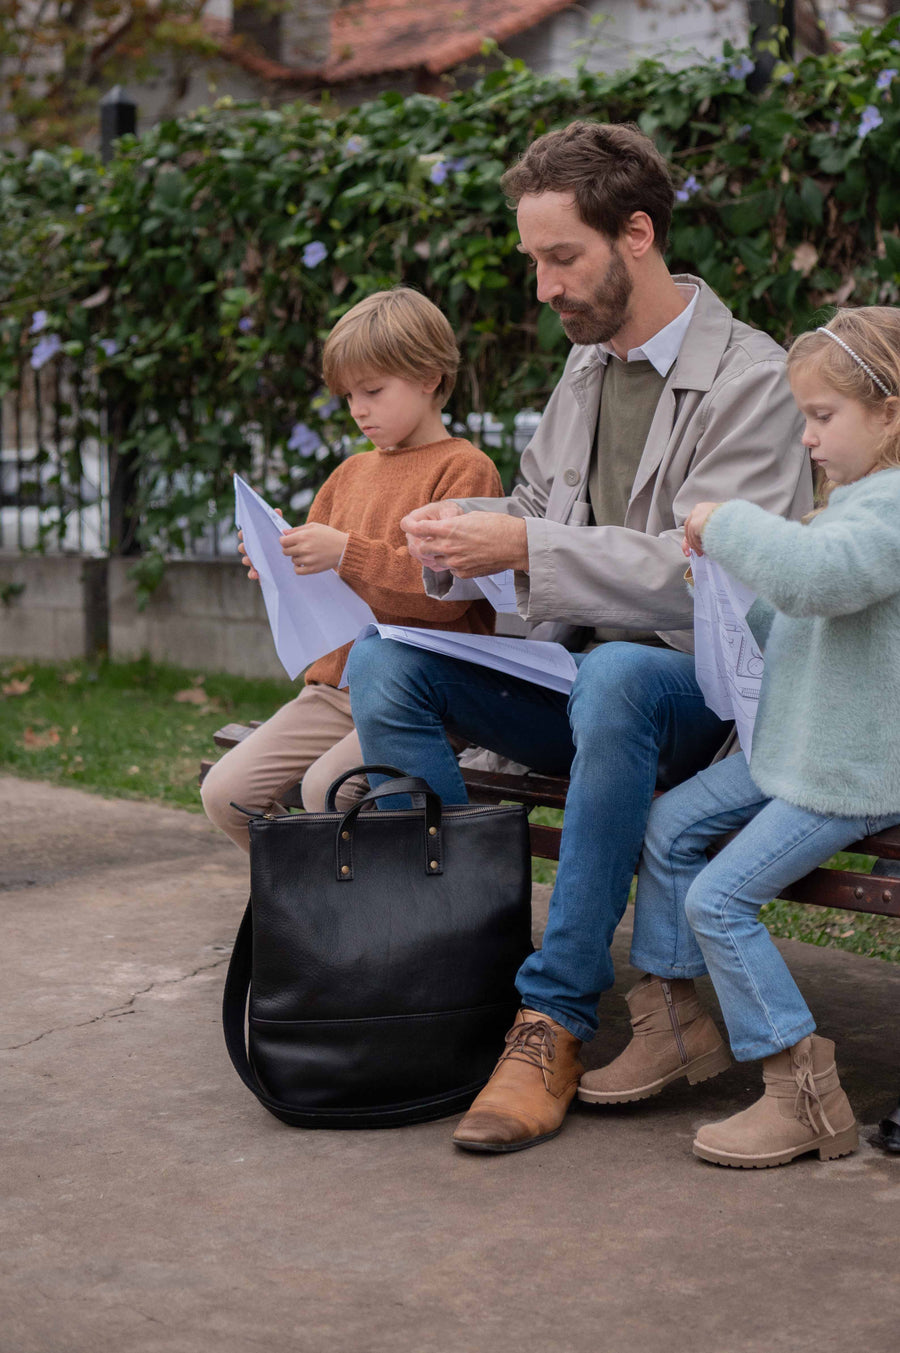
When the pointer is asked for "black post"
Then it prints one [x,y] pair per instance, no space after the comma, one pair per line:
[767,16]
[118,116]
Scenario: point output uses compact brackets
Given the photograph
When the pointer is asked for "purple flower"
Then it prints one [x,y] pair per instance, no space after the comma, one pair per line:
[439,173]
[44,349]
[871,118]
[788,78]
[109,346]
[885,78]
[833,128]
[80,209]
[456,165]
[354,145]
[739,70]
[690,187]
[743,131]
[38,321]
[329,407]
[314,253]
[245,324]
[303,440]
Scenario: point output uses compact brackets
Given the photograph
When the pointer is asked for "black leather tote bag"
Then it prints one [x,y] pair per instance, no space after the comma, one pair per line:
[379,952]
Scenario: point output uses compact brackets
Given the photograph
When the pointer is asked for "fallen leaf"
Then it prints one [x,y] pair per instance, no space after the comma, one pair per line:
[194,696]
[70,677]
[73,731]
[133,770]
[34,740]
[845,934]
[16,687]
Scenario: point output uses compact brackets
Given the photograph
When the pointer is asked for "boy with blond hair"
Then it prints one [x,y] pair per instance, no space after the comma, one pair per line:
[394,358]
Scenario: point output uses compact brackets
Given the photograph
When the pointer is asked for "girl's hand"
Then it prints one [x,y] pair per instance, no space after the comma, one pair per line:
[314,547]
[245,558]
[693,527]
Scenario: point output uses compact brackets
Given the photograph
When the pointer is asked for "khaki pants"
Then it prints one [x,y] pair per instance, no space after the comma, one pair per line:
[311,739]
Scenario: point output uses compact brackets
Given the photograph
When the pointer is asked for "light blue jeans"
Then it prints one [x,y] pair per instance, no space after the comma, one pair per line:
[635,716]
[694,915]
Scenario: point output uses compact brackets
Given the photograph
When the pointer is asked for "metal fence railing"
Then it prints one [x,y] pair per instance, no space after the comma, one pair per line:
[58,468]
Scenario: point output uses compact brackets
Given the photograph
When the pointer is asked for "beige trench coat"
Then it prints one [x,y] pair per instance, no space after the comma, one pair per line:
[725,426]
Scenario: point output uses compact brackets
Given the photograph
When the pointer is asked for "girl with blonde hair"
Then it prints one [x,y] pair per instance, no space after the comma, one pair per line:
[824,770]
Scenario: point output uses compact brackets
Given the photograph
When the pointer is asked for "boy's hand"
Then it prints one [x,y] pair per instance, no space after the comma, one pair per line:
[693,527]
[245,559]
[469,544]
[314,547]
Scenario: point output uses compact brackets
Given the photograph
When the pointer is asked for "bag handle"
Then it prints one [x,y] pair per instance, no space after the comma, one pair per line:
[433,837]
[331,795]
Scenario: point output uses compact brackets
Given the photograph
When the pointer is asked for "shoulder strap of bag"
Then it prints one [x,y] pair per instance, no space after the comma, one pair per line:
[234,1007]
[234,1001]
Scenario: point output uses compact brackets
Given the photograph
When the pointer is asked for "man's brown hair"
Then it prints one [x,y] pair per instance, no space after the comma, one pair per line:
[611,168]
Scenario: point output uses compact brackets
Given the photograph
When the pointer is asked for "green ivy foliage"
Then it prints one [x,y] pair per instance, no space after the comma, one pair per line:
[190,283]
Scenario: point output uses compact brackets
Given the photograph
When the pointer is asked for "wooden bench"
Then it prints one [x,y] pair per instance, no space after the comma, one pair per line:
[878,893]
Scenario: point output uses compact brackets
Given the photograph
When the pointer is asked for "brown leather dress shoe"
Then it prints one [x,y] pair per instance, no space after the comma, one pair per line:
[533,1084]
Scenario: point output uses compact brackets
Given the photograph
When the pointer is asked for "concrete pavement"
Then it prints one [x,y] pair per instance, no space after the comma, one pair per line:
[152,1206]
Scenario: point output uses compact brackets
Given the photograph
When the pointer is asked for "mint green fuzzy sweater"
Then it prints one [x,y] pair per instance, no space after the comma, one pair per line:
[827,734]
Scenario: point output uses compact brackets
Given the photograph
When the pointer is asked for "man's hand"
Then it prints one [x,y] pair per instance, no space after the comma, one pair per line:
[417,543]
[313,548]
[693,527]
[469,544]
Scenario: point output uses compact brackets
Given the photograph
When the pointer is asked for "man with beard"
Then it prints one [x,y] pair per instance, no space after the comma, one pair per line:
[666,400]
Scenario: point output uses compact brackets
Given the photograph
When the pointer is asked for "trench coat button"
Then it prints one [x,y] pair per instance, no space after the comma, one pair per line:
[571,477]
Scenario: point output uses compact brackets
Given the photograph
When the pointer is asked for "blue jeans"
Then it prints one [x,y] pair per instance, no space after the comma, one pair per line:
[635,715]
[695,915]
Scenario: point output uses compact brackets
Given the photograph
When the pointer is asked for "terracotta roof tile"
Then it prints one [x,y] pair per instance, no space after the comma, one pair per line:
[375,37]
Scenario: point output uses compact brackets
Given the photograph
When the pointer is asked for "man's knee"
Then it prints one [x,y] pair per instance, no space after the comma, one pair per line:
[610,686]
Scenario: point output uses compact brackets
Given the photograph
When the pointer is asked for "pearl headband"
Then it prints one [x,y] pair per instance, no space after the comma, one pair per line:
[859,361]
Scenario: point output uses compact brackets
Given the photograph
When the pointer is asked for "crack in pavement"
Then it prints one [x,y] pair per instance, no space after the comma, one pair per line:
[114,1011]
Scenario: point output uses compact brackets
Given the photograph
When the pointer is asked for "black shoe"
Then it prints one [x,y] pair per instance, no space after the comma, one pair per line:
[888,1135]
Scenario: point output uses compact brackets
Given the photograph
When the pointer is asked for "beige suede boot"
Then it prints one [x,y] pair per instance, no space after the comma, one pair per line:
[673,1037]
[803,1109]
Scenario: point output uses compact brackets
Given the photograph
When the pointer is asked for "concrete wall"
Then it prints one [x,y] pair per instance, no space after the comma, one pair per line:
[205,614]
[52,607]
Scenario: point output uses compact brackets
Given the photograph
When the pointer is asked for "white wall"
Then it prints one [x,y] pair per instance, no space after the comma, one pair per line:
[613,34]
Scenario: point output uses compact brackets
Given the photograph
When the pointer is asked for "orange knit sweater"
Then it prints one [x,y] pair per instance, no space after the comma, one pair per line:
[366,496]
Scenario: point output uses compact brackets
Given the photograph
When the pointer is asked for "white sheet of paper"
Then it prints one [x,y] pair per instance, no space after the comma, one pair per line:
[728,661]
[500,590]
[546,664]
[309,616]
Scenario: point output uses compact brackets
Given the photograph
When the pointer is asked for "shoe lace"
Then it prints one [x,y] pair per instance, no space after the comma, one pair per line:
[807,1102]
[530,1042]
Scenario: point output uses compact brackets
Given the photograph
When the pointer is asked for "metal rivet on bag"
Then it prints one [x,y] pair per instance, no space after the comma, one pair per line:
[434,864]
[345,869]
[345,836]
[432,831]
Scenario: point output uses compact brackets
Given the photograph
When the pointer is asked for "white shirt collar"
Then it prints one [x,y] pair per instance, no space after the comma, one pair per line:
[662,349]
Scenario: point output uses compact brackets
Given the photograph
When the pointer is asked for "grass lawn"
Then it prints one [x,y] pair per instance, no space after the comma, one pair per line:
[128,730]
[139,730]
